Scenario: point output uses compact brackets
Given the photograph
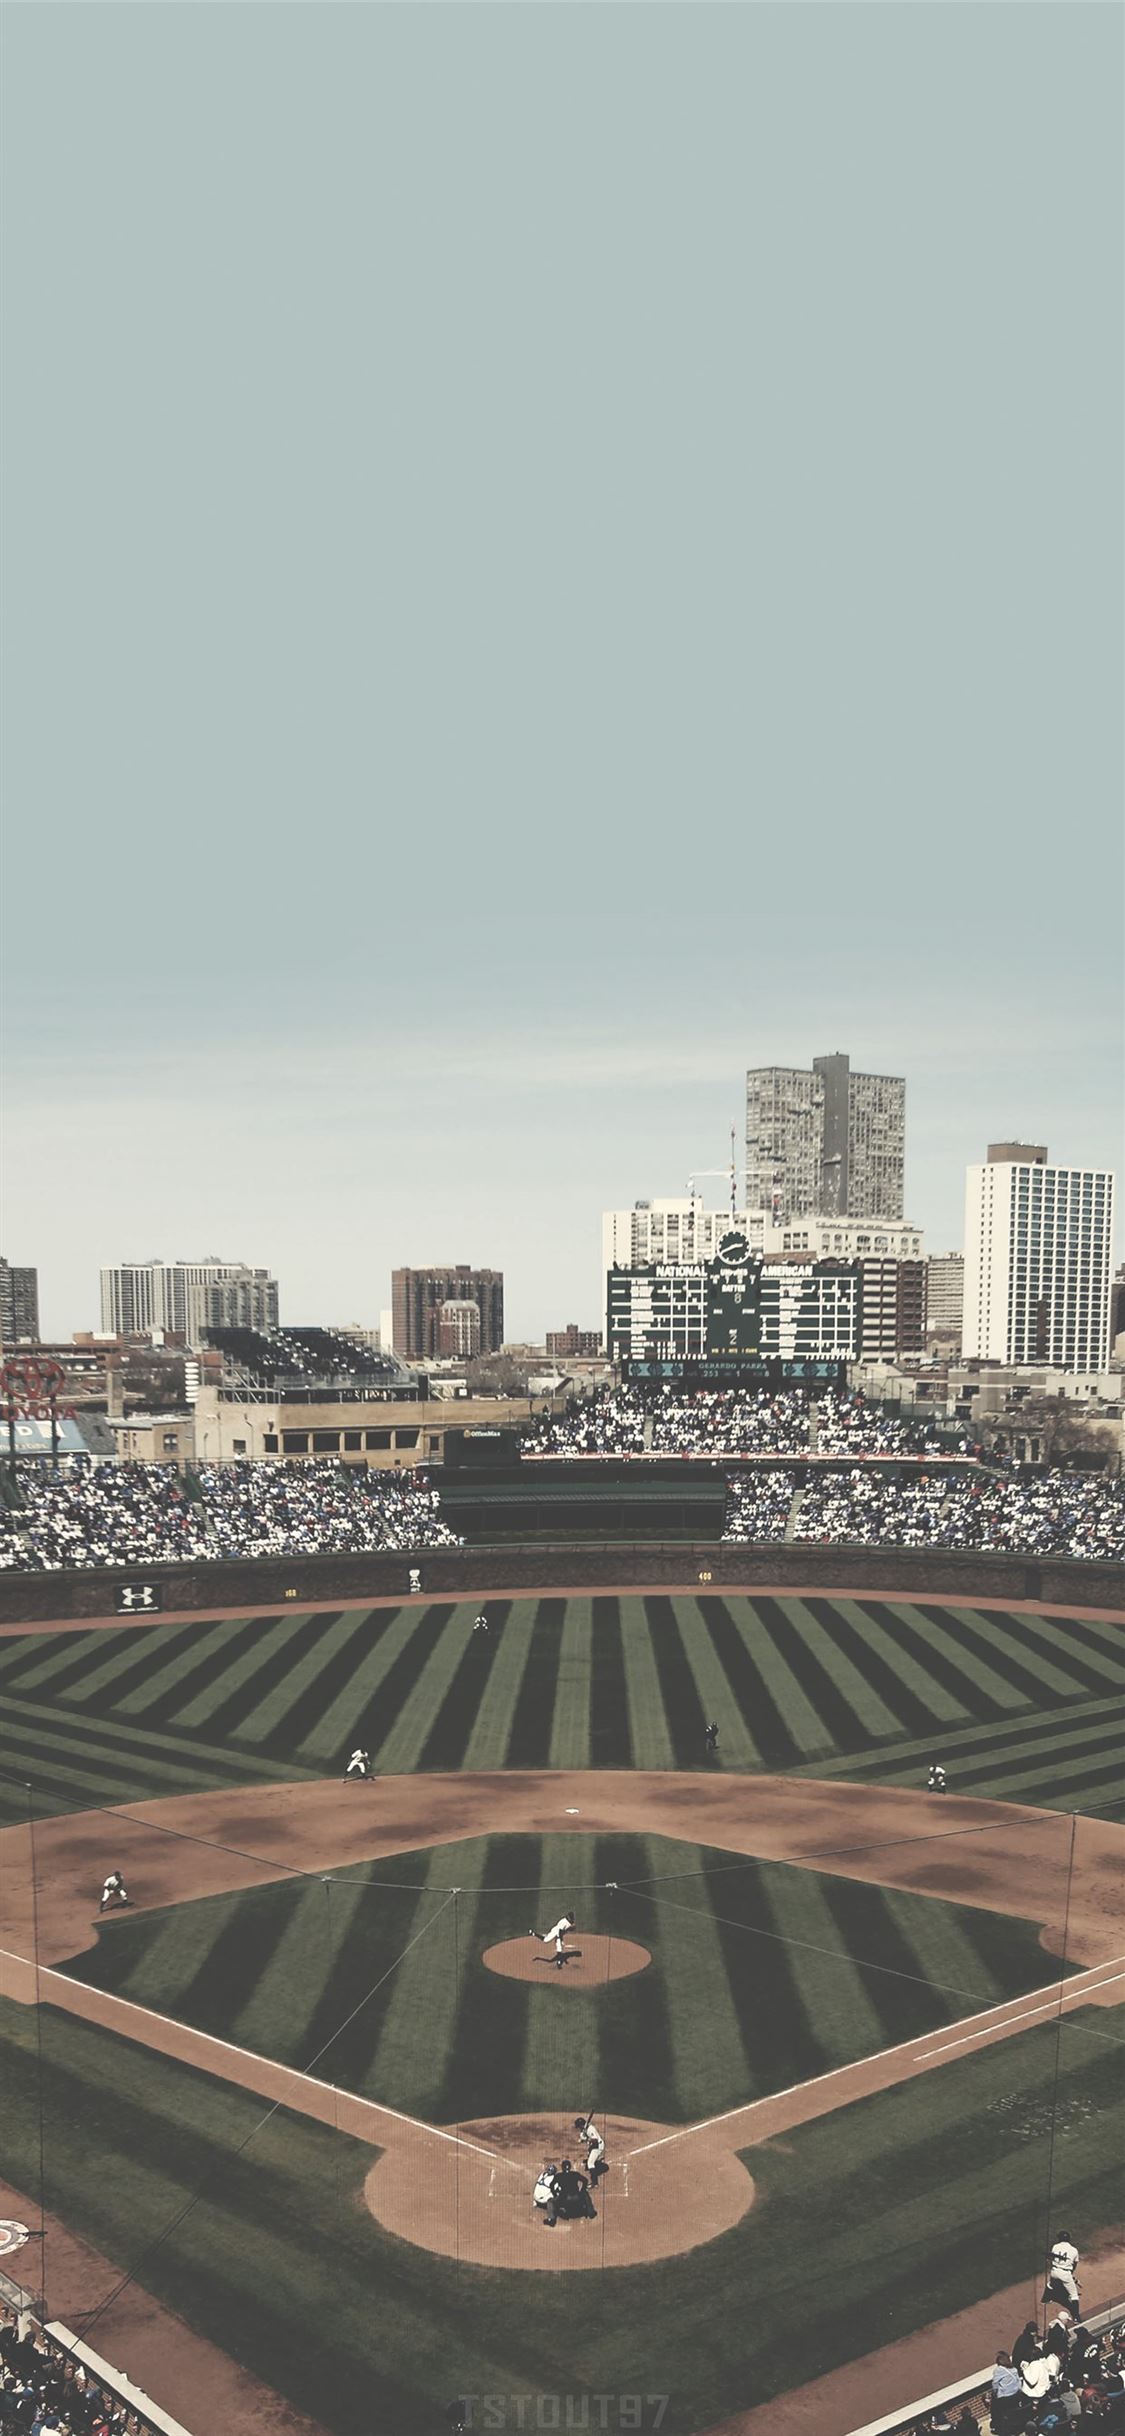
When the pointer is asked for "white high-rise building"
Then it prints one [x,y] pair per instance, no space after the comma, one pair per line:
[186,1297]
[945,1296]
[1038,1243]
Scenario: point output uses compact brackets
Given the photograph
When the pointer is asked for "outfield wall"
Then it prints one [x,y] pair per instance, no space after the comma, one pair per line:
[331,1581]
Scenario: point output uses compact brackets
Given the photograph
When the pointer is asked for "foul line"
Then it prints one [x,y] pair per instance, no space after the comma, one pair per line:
[228,2046]
[1084,1984]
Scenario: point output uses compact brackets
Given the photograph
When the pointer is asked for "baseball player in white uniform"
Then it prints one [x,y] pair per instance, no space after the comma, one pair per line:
[557,1937]
[358,1765]
[596,2160]
[113,1891]
[1062,2278]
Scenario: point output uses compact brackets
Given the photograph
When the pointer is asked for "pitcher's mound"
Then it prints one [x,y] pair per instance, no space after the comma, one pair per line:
[590,1960]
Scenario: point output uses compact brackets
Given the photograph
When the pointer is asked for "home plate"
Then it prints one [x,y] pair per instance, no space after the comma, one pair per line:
[572,1814]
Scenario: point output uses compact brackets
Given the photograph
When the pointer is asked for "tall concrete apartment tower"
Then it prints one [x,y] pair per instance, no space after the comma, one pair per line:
[1037,1260]
[19,1305]
[823,1139]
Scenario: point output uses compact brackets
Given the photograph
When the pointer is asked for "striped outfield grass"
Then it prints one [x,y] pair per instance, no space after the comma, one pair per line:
[762,1973]
[1025,1707]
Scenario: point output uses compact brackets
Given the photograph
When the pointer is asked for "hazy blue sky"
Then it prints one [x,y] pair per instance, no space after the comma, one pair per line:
[552,553]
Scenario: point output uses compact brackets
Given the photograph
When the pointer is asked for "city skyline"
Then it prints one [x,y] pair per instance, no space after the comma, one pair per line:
[671,627]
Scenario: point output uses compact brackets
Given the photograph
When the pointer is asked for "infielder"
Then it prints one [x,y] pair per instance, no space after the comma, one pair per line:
[596,2159]
[556,1936]
[359,1765]
[113,1891]
[935,1782]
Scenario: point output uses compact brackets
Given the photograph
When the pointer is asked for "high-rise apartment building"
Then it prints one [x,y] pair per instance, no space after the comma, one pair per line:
[19,1305]
[1037,1260]
[823,1139]
[417,1296]
[458,1330]
[186,1298]
[945,1298]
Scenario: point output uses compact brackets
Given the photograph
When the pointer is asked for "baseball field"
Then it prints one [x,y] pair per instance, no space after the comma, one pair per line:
[851,2044]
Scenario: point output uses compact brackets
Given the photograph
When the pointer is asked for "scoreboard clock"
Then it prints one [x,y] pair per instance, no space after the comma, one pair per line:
[734,1303]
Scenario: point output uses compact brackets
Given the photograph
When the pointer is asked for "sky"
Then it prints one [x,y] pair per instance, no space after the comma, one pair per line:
[551,554]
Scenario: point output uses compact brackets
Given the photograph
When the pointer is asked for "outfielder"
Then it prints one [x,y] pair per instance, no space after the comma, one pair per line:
[113,1891]
[359,1765]
[556,1936]
[480,1622]
[935,1782]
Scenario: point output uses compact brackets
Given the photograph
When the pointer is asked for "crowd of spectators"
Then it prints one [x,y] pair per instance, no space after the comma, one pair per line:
[846,1424]
[1078,1514]
[144,1513]
[45,2392]
[1049,2382]
[759,1504]
[679,1420]
[609,1424]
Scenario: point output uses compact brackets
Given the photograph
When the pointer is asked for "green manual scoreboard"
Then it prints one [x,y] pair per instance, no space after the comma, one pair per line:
[724,1320]
[697,1312]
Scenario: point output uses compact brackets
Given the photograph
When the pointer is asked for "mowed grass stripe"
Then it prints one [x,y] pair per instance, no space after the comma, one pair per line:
[163,1692]
[60,1780]
[398,1750]
[1097,1639]
[1051,1663]
[816,1699]
[562,2043]
[985,1646]
[751,1660]
[317,1923]
[372,1915]
[529,1741]
[485,2055]
[426,1987]
[869,1929]
[570,1725]
[679,1692]
[124,1742]
[966,1741]
[491,1728]
[912,1712]
[244,1930]
[1093,1668]
[120,1659]
[610,1745]
[373,1684]
[635,2017]
[56,1649]
[290,1709]
[779,2034]
[446,1742]
[1067,1746]
[827,1981]
[817,1622]
[648,1725]
[43,1744]
[735,1635]
[974,1688]
[894,1648]
[222,1705]
[709,2053]
[714,1690]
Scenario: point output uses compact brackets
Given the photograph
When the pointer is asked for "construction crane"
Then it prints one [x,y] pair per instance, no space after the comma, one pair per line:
[730,1172]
